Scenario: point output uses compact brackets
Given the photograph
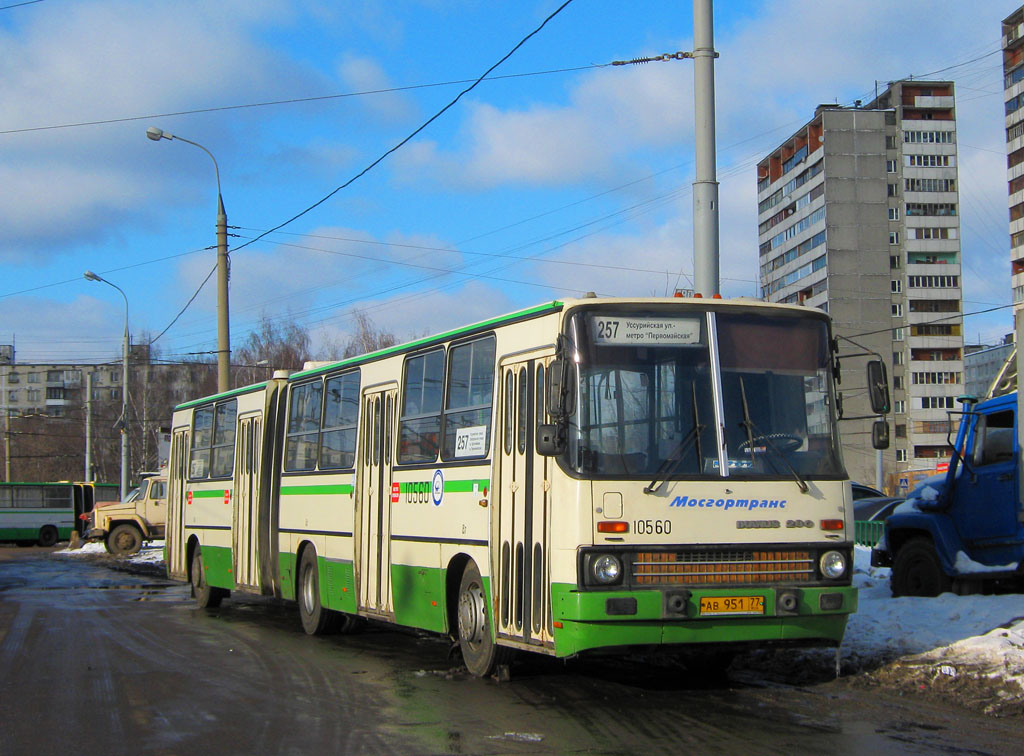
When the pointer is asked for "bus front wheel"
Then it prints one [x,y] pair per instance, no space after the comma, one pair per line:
[479,651]
[206,596]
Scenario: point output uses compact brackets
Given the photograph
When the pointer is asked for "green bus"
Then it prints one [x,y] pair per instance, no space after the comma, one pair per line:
[45,513]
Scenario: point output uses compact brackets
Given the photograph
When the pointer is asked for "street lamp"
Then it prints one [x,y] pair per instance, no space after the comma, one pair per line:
[89,275]
[223,334]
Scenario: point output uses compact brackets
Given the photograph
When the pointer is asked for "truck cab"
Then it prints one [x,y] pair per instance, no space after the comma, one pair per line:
[963,531]
[124,525]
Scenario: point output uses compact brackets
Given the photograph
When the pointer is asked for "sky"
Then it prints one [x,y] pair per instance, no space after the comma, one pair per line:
[557,175]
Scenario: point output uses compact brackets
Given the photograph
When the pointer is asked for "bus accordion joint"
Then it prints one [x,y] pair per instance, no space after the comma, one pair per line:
[613,526]
[832,525]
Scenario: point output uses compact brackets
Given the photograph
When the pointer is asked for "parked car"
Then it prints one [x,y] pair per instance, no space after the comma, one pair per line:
[860,491]
[875,508]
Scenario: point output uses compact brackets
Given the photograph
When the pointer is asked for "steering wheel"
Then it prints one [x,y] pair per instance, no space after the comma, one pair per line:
[784,442]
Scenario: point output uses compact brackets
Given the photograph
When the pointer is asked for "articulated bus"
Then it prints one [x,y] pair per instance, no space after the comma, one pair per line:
[591,474]
[45,513]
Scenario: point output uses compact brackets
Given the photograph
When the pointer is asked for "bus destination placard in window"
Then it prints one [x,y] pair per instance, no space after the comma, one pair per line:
[619,330]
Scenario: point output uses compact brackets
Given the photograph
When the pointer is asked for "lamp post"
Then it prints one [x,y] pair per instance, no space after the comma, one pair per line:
[223,333]
[89,275]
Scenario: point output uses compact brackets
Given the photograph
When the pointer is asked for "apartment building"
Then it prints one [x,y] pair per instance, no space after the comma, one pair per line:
[858,215]
[1013,94]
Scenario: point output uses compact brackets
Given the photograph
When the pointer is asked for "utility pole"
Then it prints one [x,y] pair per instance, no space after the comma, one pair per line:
[88,427]
[705,187]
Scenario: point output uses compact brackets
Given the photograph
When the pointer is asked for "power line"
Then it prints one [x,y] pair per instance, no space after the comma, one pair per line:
[296,100]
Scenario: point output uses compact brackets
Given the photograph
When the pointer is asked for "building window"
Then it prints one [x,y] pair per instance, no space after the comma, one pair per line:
[893,190]
[897,382]
[890,166]
[901,430]
[899,407]
[13,378]
[897,310]
[896,287]
[894,213]
[894,237]
[897,334]
[890,142]
[894,262]
[33,377]
[12,397]
[897,358]
[901,455]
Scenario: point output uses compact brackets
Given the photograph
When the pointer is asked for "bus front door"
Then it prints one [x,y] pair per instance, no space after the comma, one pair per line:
[373,559]
[245,527]
[522,598]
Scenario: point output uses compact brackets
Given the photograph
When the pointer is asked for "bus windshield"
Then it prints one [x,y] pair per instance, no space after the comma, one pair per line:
[647,387]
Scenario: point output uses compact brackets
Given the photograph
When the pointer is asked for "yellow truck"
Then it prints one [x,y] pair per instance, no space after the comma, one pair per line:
[125,525]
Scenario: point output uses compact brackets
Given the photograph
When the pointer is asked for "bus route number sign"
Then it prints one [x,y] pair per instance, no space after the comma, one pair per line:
[648,331]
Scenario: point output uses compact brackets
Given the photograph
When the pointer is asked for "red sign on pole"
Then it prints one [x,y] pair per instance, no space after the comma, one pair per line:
[942,467]
[395,493]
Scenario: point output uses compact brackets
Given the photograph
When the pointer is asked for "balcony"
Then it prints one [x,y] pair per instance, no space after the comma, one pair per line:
[942,101]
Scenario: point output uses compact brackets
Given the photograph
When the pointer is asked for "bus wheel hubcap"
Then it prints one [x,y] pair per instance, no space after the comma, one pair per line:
[471,615]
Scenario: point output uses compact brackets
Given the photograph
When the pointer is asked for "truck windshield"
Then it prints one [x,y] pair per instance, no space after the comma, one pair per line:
[647,386]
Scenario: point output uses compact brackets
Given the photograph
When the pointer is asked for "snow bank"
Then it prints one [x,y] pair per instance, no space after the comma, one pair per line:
[152,552]
[985,633]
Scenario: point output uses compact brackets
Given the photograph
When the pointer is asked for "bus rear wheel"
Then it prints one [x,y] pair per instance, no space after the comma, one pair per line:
[316,618]
[479,651]
[47,536]
[206,596]
[124,540]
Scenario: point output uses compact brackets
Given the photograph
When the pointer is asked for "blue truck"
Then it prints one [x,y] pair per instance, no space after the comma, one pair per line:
[963,531]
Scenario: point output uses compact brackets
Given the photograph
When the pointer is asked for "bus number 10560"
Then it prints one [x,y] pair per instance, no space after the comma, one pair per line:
[652,527]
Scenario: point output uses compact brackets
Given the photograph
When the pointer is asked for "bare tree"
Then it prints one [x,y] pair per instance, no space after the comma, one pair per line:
[281,344]
[367,337]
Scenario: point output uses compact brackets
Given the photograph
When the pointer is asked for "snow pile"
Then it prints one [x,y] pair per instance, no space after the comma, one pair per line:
[152,552]
[947,636]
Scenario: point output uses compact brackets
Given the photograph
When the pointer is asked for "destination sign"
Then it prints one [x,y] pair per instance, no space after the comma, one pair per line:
[616,330]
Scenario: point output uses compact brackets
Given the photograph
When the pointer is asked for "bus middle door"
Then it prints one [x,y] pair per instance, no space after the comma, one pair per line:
[245,529]
[373,558]
[177,498]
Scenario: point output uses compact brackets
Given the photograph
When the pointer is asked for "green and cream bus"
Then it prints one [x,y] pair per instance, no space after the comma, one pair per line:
[586,474]
[45,513]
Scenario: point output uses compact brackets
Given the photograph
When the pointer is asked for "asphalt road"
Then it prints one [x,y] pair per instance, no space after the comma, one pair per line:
[95,660]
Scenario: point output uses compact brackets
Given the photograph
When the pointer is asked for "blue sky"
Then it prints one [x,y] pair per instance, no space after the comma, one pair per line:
[542,186]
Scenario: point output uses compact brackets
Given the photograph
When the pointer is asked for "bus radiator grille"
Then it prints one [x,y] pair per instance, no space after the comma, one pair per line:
[722,567]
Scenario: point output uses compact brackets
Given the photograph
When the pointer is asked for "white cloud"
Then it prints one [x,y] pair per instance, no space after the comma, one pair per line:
[362,74]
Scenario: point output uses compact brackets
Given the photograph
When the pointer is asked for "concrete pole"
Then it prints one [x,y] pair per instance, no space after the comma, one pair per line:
[88,427]
[223,331]
[124,405]
[705,188]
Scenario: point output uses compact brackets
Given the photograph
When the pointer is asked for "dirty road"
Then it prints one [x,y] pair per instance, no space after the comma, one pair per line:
[98,660]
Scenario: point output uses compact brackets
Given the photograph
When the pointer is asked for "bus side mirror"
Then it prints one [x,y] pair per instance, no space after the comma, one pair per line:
[880,434]
[549,443]
[560,395]
[878,389]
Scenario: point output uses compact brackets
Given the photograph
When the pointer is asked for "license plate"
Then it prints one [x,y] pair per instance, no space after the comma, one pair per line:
[710,605]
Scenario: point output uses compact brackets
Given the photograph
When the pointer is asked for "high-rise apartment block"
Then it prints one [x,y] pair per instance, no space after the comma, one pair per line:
[1013,86]
[858,215]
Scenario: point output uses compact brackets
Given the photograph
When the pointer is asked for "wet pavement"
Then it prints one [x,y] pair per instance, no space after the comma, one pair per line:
[96,660]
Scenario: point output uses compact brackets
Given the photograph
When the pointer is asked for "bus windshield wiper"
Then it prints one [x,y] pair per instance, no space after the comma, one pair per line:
[668,467]
[752,429]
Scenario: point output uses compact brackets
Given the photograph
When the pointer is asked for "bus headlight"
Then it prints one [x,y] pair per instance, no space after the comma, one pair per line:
[833,564]
[606,569]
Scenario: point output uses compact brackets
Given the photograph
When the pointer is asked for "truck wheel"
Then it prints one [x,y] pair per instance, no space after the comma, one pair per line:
[916,570]
[124,540]
[47,536]
[479,651]
[206,596]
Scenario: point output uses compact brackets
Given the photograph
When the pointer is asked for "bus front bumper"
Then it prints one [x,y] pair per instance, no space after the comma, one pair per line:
[585,620]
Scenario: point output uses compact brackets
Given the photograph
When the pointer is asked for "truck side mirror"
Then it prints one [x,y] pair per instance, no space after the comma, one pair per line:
[880,434]
[878,389]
